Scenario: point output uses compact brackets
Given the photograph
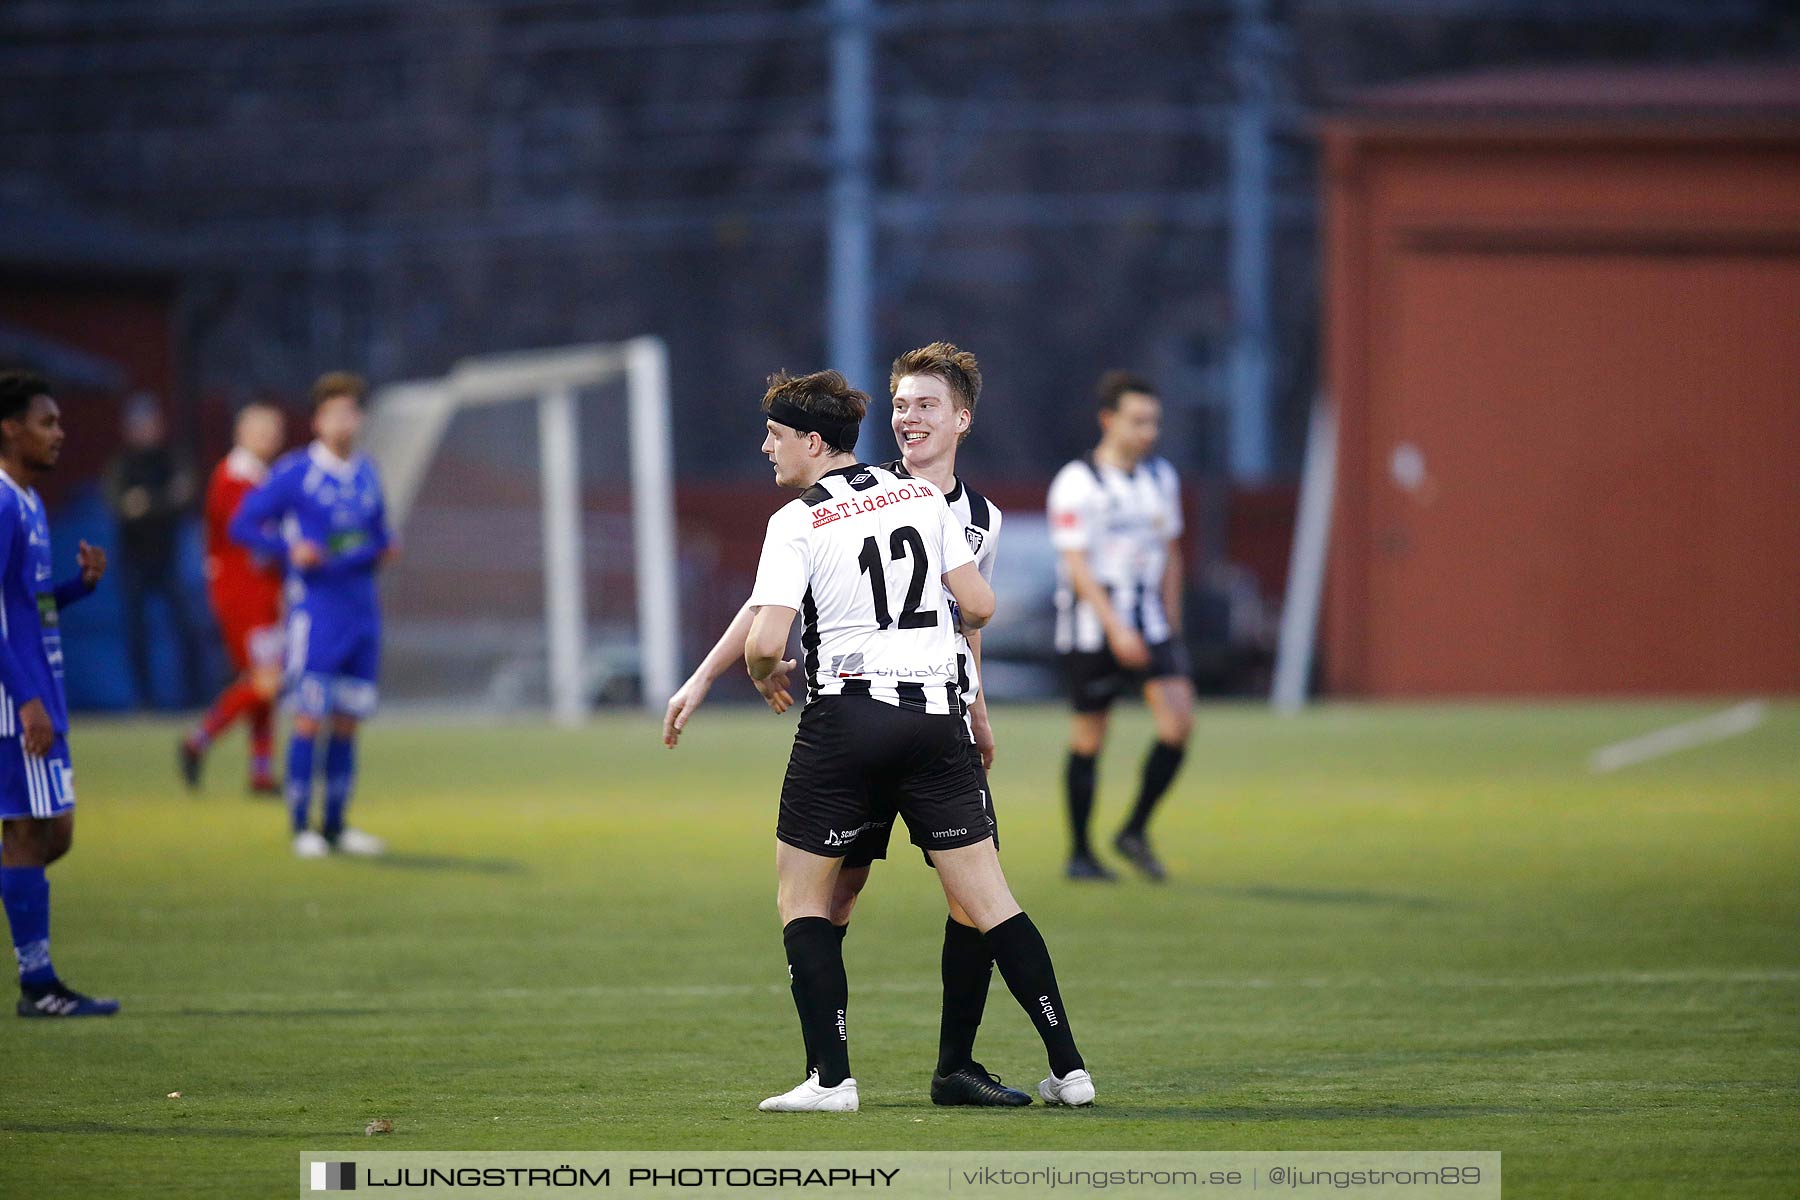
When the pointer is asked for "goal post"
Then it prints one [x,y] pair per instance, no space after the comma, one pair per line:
[407,426]
[1298,642]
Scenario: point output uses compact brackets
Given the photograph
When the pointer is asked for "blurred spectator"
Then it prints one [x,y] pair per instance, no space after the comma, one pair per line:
[150,488]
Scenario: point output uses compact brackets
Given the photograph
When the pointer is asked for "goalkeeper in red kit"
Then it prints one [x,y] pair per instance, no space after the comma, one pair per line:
[245,591]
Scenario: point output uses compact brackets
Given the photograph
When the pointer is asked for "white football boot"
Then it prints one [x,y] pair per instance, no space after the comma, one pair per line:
[1075,1089]
[360,844]
[310,843]
[810,1096]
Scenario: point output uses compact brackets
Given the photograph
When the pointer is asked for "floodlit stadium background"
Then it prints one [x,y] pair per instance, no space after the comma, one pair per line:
[1539,261]
[213,203]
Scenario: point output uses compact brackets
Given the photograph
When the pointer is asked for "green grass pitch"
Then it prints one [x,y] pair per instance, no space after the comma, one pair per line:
[1386,928]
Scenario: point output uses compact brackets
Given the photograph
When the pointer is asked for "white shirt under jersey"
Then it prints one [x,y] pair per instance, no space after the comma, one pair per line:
[862,555]
[1123,521]
[980,519]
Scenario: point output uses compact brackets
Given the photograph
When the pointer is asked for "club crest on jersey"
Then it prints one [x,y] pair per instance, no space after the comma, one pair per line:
[975,536]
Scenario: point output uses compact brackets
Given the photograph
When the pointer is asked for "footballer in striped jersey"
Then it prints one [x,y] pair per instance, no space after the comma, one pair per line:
[935,390]
[1115,521]
[870,562]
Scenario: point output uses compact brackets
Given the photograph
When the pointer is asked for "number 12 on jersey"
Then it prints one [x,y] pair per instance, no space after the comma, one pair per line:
[902,539]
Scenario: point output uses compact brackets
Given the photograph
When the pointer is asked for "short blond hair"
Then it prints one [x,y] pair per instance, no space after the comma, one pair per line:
[957,368]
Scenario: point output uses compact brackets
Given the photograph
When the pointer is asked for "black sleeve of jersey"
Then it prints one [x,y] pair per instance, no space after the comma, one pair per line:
[978,509]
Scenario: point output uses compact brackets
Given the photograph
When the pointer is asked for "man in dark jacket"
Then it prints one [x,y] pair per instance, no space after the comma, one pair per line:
[150,488]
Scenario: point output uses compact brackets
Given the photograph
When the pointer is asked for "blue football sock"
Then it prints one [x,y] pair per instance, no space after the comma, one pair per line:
[299,780]
[27,897]
[340,777]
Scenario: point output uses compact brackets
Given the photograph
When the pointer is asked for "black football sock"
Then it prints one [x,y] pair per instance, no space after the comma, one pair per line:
[1024,963]
[812,1051]
[968,965]
[806,1029]
[815,954]
[1160,766]
[1078,777]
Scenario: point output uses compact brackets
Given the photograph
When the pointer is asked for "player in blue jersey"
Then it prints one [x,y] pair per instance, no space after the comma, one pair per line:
[37,783]
[320,511]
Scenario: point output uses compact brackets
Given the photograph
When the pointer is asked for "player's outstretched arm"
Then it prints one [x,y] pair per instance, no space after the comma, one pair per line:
[763,648]
[726,652]
[974,598]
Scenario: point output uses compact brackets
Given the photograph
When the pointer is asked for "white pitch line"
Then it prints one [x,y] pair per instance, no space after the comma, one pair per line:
[1733,722]
[299,1002]
[1701,976]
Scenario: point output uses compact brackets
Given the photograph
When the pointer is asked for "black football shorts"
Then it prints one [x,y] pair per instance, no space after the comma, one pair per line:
[1096,679]
[873,845]
[857,762]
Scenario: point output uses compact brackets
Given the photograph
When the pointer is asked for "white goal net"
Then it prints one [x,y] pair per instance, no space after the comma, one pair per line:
[532,495]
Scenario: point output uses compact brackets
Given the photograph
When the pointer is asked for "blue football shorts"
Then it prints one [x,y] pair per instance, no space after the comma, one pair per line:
[31,786]
[332,666]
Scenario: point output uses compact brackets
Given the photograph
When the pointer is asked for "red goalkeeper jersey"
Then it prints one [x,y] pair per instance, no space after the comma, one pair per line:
[245,590]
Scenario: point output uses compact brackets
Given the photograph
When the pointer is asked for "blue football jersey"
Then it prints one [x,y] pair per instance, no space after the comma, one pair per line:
[312,495]
[31,653]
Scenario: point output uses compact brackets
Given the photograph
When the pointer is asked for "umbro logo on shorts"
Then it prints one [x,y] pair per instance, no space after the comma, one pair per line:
[944,833]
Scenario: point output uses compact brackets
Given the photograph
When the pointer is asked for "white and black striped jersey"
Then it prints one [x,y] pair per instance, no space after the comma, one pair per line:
[981,525]
[862,555]
[1123,521]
